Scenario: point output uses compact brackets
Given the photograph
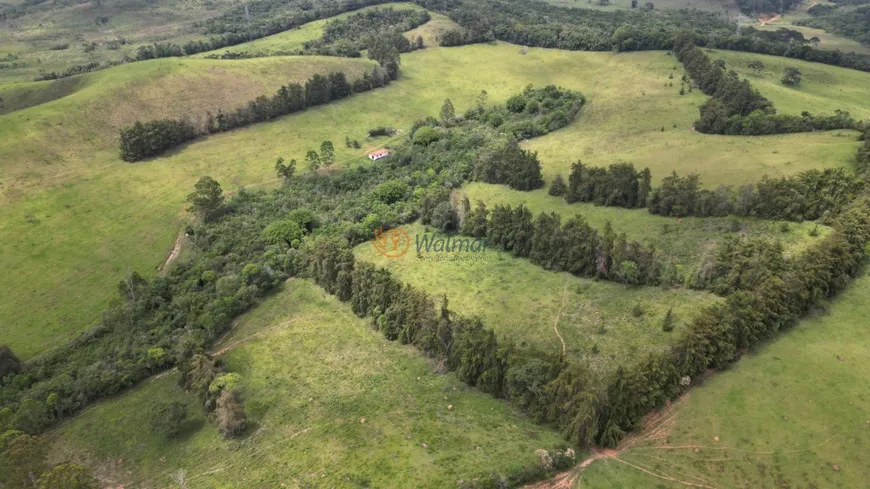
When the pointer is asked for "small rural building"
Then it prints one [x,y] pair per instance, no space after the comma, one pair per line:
[381,153]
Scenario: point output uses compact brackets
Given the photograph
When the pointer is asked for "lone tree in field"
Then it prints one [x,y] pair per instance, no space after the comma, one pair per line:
[9,363]
[327,153]
[447,111]
[313,160]
[285,172]
[756,65]
[207,198]
[791,77]
[230,414]
[168,417]
[558,187]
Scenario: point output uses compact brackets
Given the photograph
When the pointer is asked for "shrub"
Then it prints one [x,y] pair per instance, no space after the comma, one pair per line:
[426,135]
[381,131]
[791,77]
[168,417]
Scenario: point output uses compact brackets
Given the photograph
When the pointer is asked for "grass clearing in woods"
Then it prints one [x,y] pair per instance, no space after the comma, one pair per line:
[521,300]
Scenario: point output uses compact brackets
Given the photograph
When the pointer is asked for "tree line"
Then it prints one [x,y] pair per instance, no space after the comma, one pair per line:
[535,23]
[144,140]
[848,19]
[347,37]
[806,196]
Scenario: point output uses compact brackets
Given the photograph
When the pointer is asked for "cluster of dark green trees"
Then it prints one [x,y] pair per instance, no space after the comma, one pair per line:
[863,157]
[511,165]
[144,140]
[348,36]
[766,6]
[573,247]
[735,108]
[810,195]
[849,18]
[539,24]
[72,71]
[620,185]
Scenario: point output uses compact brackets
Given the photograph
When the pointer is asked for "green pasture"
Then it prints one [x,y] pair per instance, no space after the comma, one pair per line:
[795,413]
[329,403]
[519,300]
[75,219]
[822,90]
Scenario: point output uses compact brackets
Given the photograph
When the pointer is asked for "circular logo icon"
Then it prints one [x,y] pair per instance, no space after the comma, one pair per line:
[391,243]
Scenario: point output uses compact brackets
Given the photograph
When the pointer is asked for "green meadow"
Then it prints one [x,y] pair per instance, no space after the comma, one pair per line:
[823,88]
[795,413]
[643,119]
[553,312]
[330,403]
[37,36]
[76,219]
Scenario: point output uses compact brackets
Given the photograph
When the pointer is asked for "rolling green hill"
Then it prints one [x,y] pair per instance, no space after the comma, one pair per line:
[330,403]
[76,219]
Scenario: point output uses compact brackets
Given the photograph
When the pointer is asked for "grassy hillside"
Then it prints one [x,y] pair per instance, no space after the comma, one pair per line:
[535,307]
[330,403]
[823,88]
[137,22]
[684,241]
[56,136]
[794,414]
[639,117]
[77,219]
[288,41]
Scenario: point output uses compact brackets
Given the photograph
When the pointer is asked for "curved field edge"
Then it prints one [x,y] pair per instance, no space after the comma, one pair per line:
[330,403]
[603,323]
[794,413]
